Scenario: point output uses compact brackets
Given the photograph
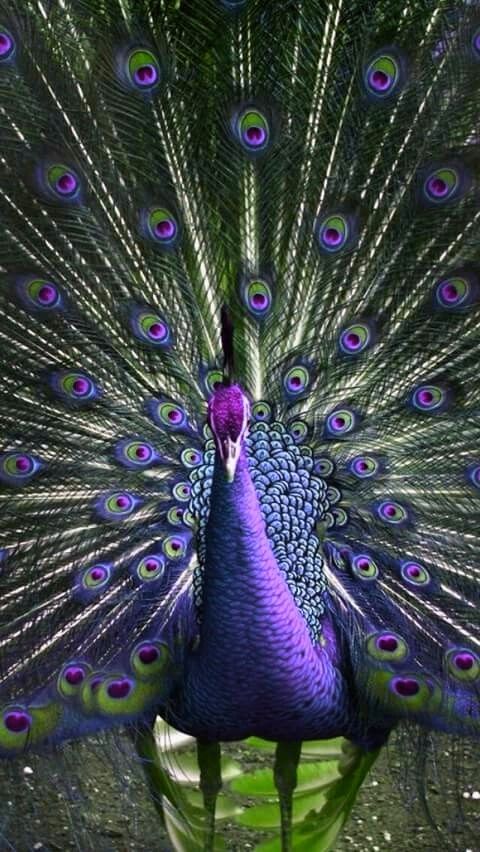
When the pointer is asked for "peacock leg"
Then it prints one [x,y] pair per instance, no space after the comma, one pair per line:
[287,756]
[210,784]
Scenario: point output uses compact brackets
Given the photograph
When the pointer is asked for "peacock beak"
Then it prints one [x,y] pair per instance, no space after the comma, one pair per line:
[230,453]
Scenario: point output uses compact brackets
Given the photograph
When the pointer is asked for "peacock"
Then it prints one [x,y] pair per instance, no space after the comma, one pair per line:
[240,398]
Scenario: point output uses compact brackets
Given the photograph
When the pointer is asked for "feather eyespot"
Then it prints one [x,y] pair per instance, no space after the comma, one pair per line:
[364,467]
[150,327]
[430,398]
[324,466]
[160,226]
[258,297]
[473,474]
[175,516]
[149,659]
[340,422]
[191,457]
[16,720]
[7,45]
[441,184]
[385,74]
[406,687]
[262,412]
[71,679]
[18,468]
[181,491]
[413,572]
[212,380]
[96,577]
[457,290]
[174,547]
[74,387]
[463,664]
[355,338]
[135,454]
[392,512]
[364,567]
[168,414]
[116,506]
[150,567]
[387,647]
[298,430]
[252,129]
[38,294]
[143,70]
[444,183]
[296,380]
[337,232]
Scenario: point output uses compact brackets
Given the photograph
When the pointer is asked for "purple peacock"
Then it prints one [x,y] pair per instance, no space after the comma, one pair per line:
[240,422]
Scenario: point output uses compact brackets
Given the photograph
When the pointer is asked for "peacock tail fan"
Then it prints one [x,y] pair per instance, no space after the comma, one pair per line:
[239,333]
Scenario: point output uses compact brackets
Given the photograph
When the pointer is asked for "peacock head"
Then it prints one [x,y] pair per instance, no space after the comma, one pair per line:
[228,417]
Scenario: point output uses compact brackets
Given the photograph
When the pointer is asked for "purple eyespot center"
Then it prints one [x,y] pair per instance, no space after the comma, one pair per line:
[361,466]
[22,464]
[17,721]
[387,642]
[151,565]
[81,386]
[295,382]
[98,574]
[175,545]
[146,75]
[157,330]
[332,236]
[174,415]
[6,43]
[464,661]
[363,564]
[148,654]
[74,675]
[122,501]
[259,300]
[352,340]
[379,80]
[389,510]
[47,294]
[437,187]
[255,135]
[338,422]
[119,688]
[95,683]
[449,292]
[142,452]
[66,183]
[165,229]
[406,686]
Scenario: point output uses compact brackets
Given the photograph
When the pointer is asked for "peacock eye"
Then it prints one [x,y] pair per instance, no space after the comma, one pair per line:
[429,398]
[213,380]
[473,474]
[116,506]
[296,380]
[387,647]
[258,298]
[190,457]
[355,338]
[453,292]
[364,466]
[63,181]
[74,386]
[18,468]
[38,294]
[392,512]
[151,567]
[382,76]
[253,130]
[96,577]
[149,327]
[298,430]
[181,491]
[7,45]
[262,412]
[463,664]
[168,414]
[324,466]
[143,70]
[188,518]
[340,516]
[16,720]
[149,659]
[175,516]
[71,678]
[174,547]
[415,573]
[160,225]
[440,185]
[333,233]
[135,454]
[364,567]
[340,422]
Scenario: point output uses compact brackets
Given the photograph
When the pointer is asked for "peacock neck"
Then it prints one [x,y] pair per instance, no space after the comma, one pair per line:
[255,653]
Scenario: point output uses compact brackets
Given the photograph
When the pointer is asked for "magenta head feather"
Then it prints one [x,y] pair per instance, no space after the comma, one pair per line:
[228,416]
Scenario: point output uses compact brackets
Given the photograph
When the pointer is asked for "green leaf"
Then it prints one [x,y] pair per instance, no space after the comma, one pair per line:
[323,749]
[169,739]
[268,815]
[226,808]
[311,776]
[183,768]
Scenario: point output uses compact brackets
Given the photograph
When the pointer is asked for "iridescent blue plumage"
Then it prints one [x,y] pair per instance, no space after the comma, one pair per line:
[239,464]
